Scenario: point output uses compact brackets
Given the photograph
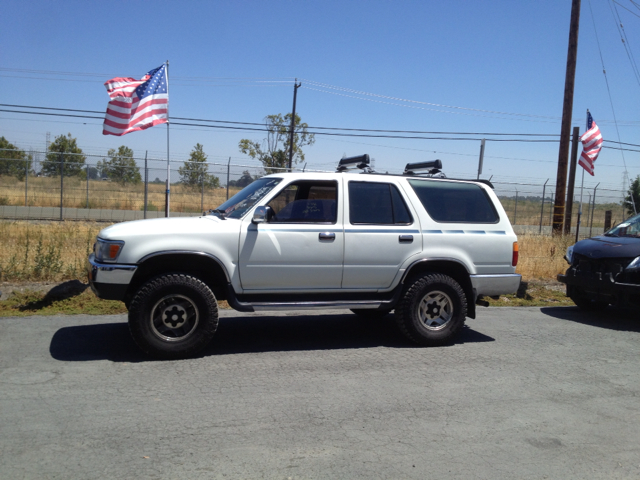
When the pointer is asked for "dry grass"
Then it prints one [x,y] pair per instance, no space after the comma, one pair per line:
[56,251]
[45,251]
[529,213]
[542,257]
[45,192]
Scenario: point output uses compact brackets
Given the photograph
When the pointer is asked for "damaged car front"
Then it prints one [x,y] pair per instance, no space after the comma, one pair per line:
[605,270]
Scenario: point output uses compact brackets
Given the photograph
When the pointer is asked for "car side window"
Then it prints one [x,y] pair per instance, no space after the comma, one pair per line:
[306,202]
[377,204]
[455,202]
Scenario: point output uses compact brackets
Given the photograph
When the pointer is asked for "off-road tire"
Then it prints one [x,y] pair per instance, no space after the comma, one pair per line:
[432,309]
[173,316]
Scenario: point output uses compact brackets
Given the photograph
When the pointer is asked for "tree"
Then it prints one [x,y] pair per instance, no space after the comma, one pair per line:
[195,170]
[72,157]
[94,173]
[633,192]
[120,167]
[13,161]
[245,179]
[273,152]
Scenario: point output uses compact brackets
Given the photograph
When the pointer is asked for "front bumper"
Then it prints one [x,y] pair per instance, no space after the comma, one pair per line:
[107,280]
[600,286]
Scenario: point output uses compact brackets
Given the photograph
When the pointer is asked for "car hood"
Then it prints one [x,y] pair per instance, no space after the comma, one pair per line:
[608,247]
[162,226]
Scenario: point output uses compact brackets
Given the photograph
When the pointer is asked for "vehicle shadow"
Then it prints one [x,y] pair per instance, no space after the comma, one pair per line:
[247,334]
[60,292]
[609,318]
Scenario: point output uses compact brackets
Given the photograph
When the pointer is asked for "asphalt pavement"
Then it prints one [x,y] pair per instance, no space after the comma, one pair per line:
[527,393]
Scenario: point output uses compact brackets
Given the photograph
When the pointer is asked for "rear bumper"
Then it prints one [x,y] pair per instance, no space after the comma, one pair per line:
[492,285]
[107,280]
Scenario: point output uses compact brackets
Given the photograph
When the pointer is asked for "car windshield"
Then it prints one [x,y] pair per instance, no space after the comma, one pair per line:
[246,198]
[628,228]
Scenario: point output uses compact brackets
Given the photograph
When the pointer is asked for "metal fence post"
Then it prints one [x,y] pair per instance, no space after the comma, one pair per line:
[228,171]
[61,156]
[26,183]
[87,185]
[515,213]
[146,183]
[202,195]
[593,208]
[542,206]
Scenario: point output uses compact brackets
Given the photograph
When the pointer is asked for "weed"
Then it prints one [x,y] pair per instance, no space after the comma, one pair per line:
[34,303]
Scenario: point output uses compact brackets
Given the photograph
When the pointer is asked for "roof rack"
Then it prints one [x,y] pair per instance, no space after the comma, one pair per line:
[361,161]
[428,169]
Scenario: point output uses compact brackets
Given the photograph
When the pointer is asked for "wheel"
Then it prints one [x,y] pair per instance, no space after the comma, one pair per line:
[586,303]
[432,310]
[370,313]
[173,316]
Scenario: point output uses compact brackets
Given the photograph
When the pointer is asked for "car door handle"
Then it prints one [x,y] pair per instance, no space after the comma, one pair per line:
[327,236]
[406,238]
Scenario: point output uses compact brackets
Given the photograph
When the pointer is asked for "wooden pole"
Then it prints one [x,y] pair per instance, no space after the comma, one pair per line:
[563,153]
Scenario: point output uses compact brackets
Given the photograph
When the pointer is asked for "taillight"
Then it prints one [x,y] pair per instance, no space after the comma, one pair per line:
[514,257]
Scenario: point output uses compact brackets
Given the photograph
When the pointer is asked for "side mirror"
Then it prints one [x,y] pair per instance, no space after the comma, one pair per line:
[261,215]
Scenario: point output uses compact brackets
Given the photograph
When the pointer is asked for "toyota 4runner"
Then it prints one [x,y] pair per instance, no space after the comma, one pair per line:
[421,244]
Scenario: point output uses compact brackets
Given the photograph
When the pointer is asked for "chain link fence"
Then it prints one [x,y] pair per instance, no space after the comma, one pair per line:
[32,188]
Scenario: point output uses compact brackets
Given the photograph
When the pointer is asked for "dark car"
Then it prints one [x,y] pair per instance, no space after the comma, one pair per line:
[605,270]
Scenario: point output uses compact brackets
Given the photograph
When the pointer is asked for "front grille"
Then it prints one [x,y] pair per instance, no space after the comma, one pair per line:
[601,267]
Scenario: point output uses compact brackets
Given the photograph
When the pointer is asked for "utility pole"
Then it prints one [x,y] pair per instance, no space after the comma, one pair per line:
[563,154]
[293,121]
[572,180]
[481,158]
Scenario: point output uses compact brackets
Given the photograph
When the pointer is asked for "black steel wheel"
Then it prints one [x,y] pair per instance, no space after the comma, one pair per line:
[173,316]
[432,310]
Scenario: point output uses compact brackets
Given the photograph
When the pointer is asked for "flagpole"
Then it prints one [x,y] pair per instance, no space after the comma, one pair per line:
[168,193]
[581,189]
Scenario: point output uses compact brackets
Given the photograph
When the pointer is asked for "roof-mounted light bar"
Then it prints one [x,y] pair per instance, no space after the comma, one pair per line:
[429,168]
[360,161]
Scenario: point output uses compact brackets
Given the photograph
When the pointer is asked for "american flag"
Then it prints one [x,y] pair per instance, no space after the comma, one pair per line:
[137,104]
[591,145]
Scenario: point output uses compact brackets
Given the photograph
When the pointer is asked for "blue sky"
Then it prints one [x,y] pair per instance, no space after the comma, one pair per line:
[501,64]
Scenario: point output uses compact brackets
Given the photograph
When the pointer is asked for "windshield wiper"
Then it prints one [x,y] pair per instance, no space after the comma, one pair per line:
[220,213]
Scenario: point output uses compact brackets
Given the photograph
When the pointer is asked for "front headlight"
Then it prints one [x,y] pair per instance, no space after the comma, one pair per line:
[107,250]
[569,256]
[635,264]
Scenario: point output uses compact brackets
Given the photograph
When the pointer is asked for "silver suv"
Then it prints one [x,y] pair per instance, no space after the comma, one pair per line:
[421,244]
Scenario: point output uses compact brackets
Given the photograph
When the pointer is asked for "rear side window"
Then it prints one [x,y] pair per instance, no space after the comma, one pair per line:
[455,202]
[377,204]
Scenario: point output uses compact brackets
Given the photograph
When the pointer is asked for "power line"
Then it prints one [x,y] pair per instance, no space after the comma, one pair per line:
[631,12]
[324,85]
[328,131]
[625,39]
[311,127]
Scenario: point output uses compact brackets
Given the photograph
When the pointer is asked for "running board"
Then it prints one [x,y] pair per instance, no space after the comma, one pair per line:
[259,305]
[265,307]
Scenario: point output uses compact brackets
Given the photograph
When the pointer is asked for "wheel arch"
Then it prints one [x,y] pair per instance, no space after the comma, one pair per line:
[451,267]
[198,264]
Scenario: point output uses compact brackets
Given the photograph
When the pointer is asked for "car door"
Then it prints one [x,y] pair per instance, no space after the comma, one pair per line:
[301,246]
[380,235]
